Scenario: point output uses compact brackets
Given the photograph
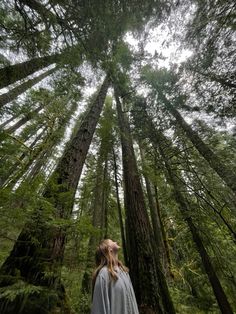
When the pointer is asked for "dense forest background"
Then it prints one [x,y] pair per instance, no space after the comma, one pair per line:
[118,121]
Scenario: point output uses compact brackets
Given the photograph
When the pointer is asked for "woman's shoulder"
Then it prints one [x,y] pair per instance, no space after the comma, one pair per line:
[103,272]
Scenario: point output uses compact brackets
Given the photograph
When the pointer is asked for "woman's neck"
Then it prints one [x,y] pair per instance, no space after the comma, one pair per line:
[115,256]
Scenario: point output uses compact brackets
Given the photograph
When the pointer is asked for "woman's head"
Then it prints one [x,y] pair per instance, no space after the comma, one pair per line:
[107,255]
[106,252]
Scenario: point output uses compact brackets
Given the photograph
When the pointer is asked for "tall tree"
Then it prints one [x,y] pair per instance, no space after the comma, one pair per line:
[160,140]
[159,81]
[146,273]
[18,90]
[32,259]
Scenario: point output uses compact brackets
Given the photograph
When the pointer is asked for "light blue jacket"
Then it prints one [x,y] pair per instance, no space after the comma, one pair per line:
[113,297]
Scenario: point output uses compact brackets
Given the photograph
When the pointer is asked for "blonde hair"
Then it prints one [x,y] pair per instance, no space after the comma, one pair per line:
[104,257]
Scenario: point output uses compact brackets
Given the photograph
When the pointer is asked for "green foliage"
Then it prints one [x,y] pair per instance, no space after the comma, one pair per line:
[202,88]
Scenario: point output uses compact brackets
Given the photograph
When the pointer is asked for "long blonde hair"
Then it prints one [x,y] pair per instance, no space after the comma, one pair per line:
[104,257]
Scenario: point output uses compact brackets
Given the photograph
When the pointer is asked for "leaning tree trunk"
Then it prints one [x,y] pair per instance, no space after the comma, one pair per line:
[39,154]
[16,72]
[214,161]
[25,119]
[146,272]
[13,174]
[159,140]
[38,252]
[6,122]
[20,89]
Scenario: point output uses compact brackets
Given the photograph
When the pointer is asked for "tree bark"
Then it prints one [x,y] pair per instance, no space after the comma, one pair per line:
[145,269]
[20,89]
[16,72]
[39,249]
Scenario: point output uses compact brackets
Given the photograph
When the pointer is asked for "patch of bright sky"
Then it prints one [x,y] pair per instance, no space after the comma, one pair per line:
[159,42]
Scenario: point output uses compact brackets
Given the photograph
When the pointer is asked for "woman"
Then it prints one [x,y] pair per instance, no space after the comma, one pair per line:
[112,288]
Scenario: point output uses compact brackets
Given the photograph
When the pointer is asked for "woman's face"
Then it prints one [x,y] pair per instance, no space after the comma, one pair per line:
[113,245]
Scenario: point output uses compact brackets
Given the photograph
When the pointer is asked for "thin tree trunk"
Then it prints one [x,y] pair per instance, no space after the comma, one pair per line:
[212,276]
[164,235]
[16,72]
[97,222]
[105,194]
[39,249]
[145,266]
[122,229]
[220,168]
[155,217]
[8,121]
[5,180]
[25,119]
[183,207]
[20,89]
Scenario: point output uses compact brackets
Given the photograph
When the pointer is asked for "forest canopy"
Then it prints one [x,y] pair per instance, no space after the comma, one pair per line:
[117,121]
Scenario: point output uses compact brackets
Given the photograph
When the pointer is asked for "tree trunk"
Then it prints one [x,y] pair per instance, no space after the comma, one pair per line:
[6,122]
[16,72]
[145,268]
[183,207]
[164,236]
[122,229]
[212,276]
[12,177]
[155,217]
[38,252]
[20,89]
[97,222]
[46,15]
[220,168]
[105,194]
[23,120]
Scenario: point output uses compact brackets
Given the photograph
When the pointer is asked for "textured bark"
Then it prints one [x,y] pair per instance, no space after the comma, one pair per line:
[40,245]
[16,72]
[20,89]
[122,229]
[214,161]
[219,293]
[145,269]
